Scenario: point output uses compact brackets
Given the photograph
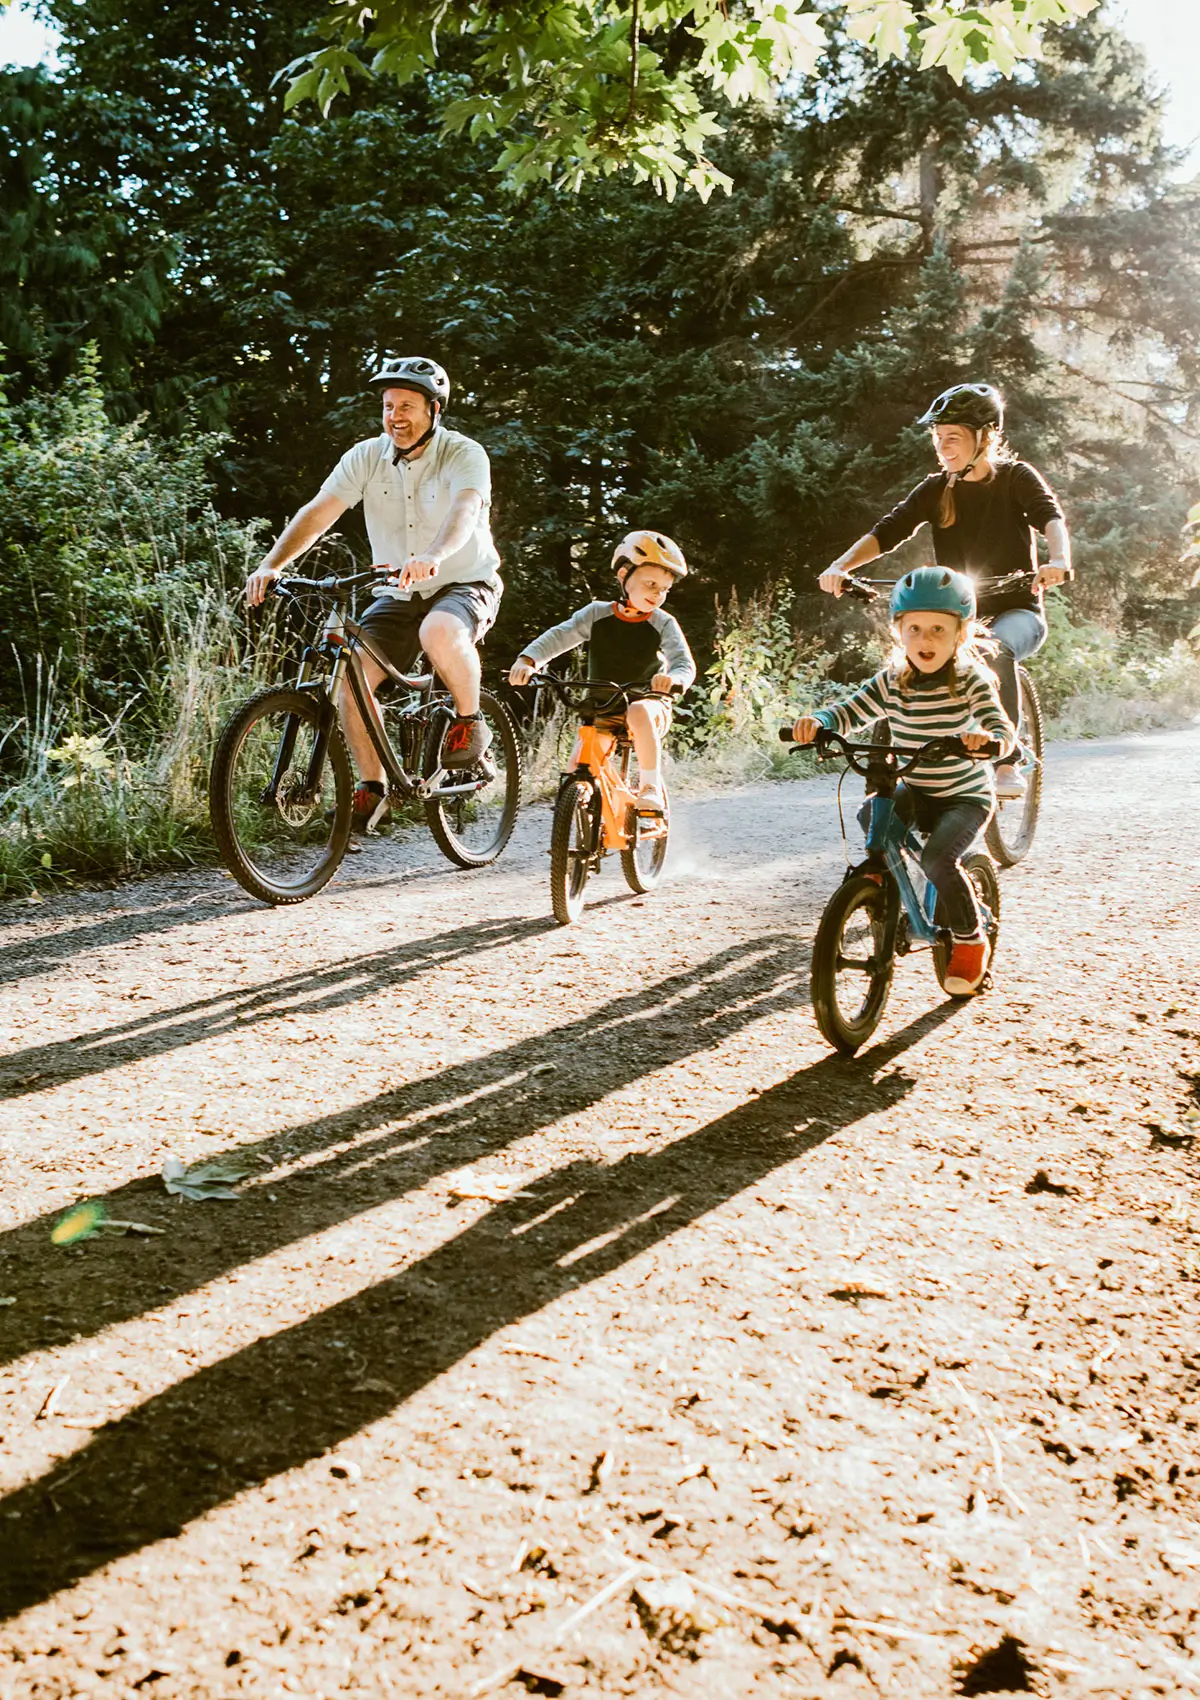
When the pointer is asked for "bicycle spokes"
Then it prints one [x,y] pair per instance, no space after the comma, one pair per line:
[280,796]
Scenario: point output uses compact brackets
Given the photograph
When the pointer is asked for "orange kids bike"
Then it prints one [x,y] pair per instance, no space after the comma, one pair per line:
[596,810]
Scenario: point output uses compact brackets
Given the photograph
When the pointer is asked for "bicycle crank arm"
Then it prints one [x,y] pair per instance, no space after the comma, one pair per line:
[453,790]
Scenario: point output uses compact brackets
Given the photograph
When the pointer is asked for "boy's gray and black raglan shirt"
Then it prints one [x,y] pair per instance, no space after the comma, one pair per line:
[622,645]
[928,709]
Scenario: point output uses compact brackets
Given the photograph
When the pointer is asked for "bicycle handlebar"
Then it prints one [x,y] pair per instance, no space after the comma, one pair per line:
[937,749]
[582,688]
[288,583]
[870,589]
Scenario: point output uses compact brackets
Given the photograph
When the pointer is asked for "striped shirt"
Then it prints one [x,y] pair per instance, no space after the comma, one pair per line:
[928,709]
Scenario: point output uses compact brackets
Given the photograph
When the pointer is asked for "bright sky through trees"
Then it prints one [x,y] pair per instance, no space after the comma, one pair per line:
[1169,30]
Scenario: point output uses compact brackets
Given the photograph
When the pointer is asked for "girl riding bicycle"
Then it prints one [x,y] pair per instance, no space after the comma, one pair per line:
[984,508]
[936,685]
[629,640]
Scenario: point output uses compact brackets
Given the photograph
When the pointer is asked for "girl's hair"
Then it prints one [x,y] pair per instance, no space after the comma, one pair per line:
[995,450]
[971,649]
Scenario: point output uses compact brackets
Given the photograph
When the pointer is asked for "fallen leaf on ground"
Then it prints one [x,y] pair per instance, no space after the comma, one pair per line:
[215,1179]
[78,1224]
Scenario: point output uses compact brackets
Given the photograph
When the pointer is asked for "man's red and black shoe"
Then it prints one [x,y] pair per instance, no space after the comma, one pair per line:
[369,810]
[467,741]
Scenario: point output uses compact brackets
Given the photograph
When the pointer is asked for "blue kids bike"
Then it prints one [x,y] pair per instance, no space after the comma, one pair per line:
[885,907]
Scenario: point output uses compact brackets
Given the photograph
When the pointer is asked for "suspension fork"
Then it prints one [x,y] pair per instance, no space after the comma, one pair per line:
[327,716]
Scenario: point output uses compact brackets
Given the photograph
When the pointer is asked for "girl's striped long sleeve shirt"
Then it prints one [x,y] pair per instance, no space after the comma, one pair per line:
[927,709]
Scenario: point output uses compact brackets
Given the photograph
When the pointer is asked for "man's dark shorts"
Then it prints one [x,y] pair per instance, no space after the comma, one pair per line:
[393,627]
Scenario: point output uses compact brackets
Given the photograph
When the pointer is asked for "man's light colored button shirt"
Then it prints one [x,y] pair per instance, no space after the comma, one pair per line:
[405,505]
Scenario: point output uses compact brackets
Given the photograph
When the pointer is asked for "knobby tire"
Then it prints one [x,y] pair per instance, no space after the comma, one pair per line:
[572,836]
[846,1030]
[246,860]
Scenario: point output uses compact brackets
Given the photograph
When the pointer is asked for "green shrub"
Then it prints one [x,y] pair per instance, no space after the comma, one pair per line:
[101,526]
[119,580]
[1096,683]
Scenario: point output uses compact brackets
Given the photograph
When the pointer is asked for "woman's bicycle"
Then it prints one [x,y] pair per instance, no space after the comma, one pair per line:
[596,811]
[1013,826]
[885,907]
[281,787]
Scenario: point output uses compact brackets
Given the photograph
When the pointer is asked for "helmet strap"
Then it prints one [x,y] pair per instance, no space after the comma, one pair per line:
[952,478]
[415,448]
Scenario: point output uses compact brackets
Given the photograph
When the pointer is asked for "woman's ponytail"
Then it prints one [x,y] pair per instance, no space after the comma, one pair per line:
[990,447]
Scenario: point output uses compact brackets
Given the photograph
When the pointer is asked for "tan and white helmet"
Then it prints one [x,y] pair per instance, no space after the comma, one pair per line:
[650,549]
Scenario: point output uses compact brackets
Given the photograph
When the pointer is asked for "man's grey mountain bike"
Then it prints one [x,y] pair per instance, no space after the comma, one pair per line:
[281,788]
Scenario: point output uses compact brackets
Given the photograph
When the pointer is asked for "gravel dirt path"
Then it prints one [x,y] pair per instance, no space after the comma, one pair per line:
[584,1326]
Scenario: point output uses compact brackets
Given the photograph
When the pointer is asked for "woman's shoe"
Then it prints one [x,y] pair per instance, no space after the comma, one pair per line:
[1010,785]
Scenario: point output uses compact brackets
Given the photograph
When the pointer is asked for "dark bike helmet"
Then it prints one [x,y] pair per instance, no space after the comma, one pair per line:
[973,405]
[413,372]
[934,590]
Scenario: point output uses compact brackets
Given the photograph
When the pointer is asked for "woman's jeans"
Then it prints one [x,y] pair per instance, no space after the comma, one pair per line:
[1020,632]
[951,825]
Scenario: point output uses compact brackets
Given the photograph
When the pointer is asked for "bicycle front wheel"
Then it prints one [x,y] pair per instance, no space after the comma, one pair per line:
[280,795]
[473,826]
[852,964]
[1011,830]
[642,862]
[573,835]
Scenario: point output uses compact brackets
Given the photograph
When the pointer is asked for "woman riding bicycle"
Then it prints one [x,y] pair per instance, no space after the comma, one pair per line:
[984,508]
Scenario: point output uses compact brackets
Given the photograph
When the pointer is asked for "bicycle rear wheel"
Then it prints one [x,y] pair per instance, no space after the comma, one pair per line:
[280,809]
[473,827]
[573,837]
[981,871]
[852,963]
[1011,830]
[642,863]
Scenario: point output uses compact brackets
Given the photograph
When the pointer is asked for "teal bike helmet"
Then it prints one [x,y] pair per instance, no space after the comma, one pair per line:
[934,590]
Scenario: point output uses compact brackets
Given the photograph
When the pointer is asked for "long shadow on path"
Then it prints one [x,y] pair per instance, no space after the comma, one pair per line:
[287,1399]
[41,952]
[310,992]
[329,1170]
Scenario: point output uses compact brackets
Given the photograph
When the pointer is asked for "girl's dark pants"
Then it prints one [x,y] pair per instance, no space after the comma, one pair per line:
[951,826]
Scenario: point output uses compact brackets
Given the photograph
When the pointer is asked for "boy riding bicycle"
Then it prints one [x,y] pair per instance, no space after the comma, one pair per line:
[936,685]
[629,641]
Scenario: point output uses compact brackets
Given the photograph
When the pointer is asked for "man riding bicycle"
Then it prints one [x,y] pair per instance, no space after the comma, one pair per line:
[426,494]
[984,508]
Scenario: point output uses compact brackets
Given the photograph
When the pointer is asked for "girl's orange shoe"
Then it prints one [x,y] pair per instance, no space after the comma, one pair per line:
[966,967]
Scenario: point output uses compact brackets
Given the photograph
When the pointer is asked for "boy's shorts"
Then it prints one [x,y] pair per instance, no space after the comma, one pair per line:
[393,624]
[616,723]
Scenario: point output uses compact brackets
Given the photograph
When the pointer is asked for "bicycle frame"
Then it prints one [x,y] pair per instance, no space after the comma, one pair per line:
[892,840]
[599,752]
[341,646]
[893,845]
